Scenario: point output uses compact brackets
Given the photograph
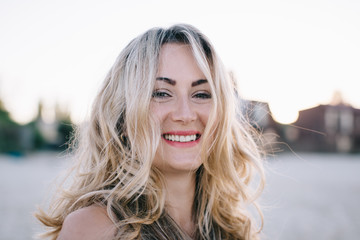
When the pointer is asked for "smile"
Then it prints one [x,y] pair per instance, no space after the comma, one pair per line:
[181,138]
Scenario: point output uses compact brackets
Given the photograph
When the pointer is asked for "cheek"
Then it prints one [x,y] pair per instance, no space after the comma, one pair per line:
[204,114]
[157,112]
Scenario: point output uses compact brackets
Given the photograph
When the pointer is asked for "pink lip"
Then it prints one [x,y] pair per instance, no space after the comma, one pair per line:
[182,144]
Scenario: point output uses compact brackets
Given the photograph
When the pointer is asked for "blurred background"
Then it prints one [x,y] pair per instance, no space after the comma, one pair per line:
[297,63]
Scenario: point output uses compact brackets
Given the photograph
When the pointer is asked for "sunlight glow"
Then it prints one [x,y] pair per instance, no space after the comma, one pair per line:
[284,115]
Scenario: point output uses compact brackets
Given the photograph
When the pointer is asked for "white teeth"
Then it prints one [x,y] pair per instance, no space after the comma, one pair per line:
[177,138]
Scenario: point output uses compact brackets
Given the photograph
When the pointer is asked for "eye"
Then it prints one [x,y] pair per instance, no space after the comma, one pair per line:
[160,94]
[202,95]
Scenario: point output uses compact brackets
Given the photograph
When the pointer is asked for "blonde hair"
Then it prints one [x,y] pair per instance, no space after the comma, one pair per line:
[115,150]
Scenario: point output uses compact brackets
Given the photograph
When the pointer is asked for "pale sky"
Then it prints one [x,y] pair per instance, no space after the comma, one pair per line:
[291,54]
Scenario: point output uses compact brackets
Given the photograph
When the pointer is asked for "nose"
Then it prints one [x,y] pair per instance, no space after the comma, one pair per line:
[184,111]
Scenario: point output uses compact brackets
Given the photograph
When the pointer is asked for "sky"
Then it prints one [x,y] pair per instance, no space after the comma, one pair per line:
[292,54]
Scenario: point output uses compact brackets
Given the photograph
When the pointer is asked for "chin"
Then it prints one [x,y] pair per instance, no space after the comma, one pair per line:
[178,166]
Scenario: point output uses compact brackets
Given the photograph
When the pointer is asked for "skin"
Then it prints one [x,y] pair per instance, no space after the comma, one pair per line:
[89,223]
[181,103]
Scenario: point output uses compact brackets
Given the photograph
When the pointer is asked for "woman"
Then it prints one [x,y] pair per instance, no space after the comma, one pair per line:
[166,154]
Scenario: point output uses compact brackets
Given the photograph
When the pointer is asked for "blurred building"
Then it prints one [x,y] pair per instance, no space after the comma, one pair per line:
[325,128]
[334,128]
[258,114]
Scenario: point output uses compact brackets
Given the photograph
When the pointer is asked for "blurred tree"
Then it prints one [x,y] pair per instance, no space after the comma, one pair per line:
[35,141]
[9,132]
[65,127]
[65,130]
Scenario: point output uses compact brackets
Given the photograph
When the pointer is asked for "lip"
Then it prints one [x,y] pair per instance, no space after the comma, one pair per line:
[182,133]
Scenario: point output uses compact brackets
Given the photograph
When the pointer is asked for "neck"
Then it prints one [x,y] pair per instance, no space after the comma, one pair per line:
[180,192]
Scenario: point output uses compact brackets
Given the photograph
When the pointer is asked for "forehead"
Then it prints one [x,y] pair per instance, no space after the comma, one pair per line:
[173,48]
[177,61]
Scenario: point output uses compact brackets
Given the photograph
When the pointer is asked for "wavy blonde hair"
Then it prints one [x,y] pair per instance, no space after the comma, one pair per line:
[115,150]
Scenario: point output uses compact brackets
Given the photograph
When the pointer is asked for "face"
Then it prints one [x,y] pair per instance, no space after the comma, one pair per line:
[181,102]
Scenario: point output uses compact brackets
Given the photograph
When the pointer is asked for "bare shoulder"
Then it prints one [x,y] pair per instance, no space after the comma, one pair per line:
[87,223]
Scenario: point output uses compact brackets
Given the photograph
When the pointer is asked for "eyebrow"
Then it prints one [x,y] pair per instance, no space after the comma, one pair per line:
[198,82]
[167,80]
[173,82]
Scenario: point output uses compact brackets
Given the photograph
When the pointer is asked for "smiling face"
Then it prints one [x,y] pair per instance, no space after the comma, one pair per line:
[181,102]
